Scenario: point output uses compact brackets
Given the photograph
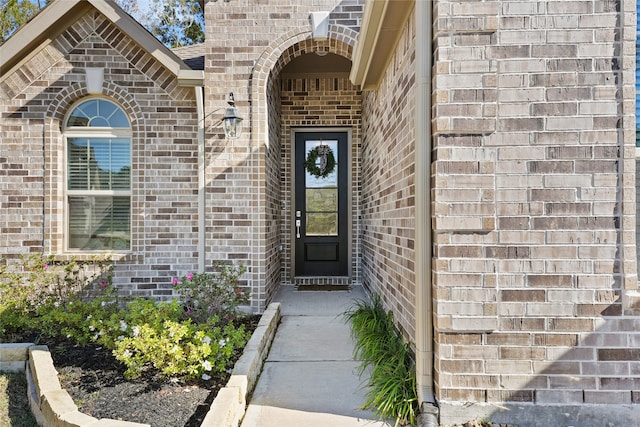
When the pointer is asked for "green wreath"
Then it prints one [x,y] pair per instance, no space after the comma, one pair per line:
[320,171]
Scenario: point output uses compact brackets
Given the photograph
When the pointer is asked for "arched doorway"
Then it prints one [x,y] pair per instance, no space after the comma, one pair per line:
[318,107]
[308,91]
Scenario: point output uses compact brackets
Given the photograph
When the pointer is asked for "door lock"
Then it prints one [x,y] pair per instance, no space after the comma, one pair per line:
[298,222]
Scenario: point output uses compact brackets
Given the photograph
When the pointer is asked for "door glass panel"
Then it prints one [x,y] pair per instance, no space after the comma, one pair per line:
[321,195]
[331,180]
[322,224]
[322,199]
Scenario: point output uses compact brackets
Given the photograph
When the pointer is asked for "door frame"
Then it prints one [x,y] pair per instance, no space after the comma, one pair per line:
[292,208]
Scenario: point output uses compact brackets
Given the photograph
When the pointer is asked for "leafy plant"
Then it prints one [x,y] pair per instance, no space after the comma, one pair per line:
[38,293]
[75,300]
[210,294]
[381,349]
[179,349]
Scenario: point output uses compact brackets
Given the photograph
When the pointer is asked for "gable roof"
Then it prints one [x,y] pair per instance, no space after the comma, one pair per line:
[59,15]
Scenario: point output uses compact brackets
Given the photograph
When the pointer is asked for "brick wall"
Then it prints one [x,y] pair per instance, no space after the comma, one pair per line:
[388,191]
[248,44]
[531,265]
[164,152]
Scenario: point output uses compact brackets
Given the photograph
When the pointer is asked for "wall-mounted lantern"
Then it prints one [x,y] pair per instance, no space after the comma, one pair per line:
[231,121]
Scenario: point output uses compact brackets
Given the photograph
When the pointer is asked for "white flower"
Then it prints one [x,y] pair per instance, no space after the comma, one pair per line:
[175,349]
[92,328]
[222,342]
[136,331]
[68,335]
[103,303]
[88,318]
[126,353]
[121,338]
[206,377]
[206,365]
[206,339]
[123,325]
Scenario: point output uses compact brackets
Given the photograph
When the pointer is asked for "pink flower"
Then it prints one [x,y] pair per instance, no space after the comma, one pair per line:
[190,276]
[188,312]
[175,281]
[103,284]
[45,267]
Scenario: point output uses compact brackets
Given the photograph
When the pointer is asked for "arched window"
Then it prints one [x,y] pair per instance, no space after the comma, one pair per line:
[98,190]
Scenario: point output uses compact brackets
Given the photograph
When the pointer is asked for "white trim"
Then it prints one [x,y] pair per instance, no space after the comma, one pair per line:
[380,31]
[97,133]
[202,182]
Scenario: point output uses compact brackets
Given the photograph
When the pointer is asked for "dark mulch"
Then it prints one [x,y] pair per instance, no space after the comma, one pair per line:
[95,380]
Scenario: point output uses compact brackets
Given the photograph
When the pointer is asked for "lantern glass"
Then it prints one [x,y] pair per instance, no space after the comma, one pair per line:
[232,122]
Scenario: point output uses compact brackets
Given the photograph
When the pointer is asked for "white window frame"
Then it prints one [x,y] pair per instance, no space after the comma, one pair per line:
[93,132]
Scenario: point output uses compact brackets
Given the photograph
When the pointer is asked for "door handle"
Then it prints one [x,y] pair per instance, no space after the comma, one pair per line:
[297,228]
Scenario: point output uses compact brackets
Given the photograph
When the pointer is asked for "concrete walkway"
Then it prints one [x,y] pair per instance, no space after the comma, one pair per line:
[310,378]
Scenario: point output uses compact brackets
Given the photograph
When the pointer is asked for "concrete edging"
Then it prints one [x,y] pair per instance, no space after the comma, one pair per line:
[52,406]
[228,408]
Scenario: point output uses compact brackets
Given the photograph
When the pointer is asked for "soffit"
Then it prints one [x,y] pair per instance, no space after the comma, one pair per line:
[313,64]
[58,15]
[382,25]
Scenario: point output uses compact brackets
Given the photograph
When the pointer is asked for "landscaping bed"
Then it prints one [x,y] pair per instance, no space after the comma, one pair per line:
[95,380]
[130,359]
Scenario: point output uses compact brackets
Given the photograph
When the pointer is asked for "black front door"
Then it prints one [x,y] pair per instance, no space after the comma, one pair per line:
[321,211]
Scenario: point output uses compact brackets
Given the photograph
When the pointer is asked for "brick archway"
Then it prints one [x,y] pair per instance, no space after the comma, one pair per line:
[341,41]
[266,142]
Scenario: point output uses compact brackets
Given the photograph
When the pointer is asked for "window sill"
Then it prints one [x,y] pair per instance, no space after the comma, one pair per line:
[90,256]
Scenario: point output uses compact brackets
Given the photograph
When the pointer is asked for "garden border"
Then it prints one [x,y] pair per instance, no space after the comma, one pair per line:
[53,406]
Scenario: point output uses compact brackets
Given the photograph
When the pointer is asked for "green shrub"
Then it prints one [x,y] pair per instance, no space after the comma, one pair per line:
[75,301]
[210,294]
[382,351]
[150,337]
[37,294]
[180,349]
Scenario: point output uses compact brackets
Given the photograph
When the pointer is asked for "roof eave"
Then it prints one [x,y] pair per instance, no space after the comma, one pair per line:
[54,18]
[130,26]
[191,78]
[34,32]
[382,25]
